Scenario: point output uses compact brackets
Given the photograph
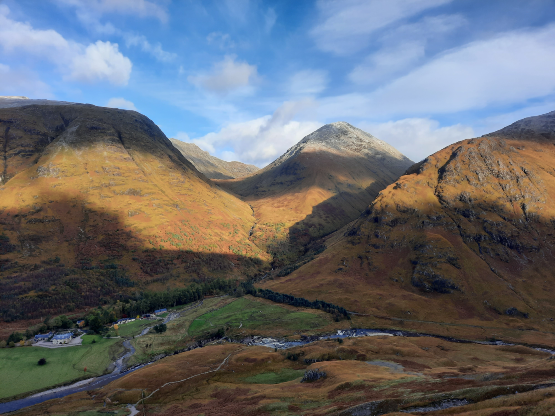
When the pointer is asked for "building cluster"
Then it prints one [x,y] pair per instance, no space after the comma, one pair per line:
[145,316]
[61,338]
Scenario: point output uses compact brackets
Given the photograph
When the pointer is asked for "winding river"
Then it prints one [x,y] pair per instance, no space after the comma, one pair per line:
[120,370]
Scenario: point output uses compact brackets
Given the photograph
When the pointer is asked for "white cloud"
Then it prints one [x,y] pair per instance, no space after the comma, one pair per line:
[307,82]
[222,40]
[509,68]
[101,60]
[403,48]
[95,8]
[270,18]
[22,82]
[155,50]
[418,138]
[226,76]
[346,26]
[121,103]
[387,63]
[18,36]
[261,140]
[95,62]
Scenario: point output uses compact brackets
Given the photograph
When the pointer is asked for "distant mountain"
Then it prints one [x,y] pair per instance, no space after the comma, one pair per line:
[211,166]
[319,185]
[95,201]
[467,235]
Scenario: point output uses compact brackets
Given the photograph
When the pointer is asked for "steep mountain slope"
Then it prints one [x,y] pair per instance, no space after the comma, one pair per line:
[211,166]
[465,235]
[93,200]
[319,185]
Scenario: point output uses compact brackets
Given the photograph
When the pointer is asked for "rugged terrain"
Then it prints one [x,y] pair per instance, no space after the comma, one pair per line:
[95,201]
[211,166]
[466,236]
[319,185]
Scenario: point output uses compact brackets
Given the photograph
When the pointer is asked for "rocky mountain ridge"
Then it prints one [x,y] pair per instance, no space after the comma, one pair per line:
[317,186]
[211,166]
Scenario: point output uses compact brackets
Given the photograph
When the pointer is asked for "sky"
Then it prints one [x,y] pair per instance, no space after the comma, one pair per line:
[246,80]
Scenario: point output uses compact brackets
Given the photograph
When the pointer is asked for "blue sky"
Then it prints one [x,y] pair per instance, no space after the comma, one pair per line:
[247,79]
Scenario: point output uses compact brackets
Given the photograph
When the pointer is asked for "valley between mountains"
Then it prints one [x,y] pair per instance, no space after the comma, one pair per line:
[341,279]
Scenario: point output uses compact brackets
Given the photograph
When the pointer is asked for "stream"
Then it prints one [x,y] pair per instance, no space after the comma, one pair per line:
[120,370]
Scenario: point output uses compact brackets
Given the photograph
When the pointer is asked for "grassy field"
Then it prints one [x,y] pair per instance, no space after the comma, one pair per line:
[251,314]
[19,365]
[282,376]
[176,335]
[132,328]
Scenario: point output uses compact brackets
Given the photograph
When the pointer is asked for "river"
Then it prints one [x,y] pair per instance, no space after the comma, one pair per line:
[120,370]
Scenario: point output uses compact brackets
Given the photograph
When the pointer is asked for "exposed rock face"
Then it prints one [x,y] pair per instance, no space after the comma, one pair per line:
[83,187]
[319,185]
[466,234]
[211,166]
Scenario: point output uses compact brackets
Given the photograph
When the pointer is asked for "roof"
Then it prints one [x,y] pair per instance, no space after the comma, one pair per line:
[62,336]
[160,310]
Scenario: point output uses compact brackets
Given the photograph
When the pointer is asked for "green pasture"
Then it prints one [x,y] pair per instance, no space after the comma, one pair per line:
[132,328]
[21,373]
[251,314]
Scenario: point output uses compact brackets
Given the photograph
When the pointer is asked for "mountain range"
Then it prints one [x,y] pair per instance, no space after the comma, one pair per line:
[319,185]
[466,235]
[340,279]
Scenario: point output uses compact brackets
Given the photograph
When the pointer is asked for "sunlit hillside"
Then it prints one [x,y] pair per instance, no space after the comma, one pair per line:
[465,236]
[97,200]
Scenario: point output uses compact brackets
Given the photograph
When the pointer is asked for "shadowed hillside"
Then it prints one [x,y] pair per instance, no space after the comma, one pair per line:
[89,188]
[467,235]
[211,166]
[319,185]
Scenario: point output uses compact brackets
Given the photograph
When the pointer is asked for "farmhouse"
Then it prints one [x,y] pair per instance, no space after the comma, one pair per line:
[42,337]
[61,338]
[124,321]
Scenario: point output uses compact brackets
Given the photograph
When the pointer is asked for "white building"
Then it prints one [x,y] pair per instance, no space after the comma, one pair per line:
[61,338]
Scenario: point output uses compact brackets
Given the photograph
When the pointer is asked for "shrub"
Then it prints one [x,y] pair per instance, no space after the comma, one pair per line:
[42,361]
[160,328]
[3,344]
[11,344]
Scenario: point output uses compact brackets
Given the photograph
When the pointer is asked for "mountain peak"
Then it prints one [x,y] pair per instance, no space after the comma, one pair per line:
[531,128]
[340,136]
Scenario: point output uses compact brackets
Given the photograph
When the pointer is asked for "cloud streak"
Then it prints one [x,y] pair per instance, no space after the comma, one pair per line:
[345,27]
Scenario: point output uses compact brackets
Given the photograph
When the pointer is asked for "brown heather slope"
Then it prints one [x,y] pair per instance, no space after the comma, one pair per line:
[319,185]
[93,199]
[211,166]
[465,236]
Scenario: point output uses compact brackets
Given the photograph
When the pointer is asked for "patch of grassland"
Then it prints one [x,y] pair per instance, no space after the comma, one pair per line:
[176,335]
[132,328]
[284,375]
[21,373]
[249,313]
